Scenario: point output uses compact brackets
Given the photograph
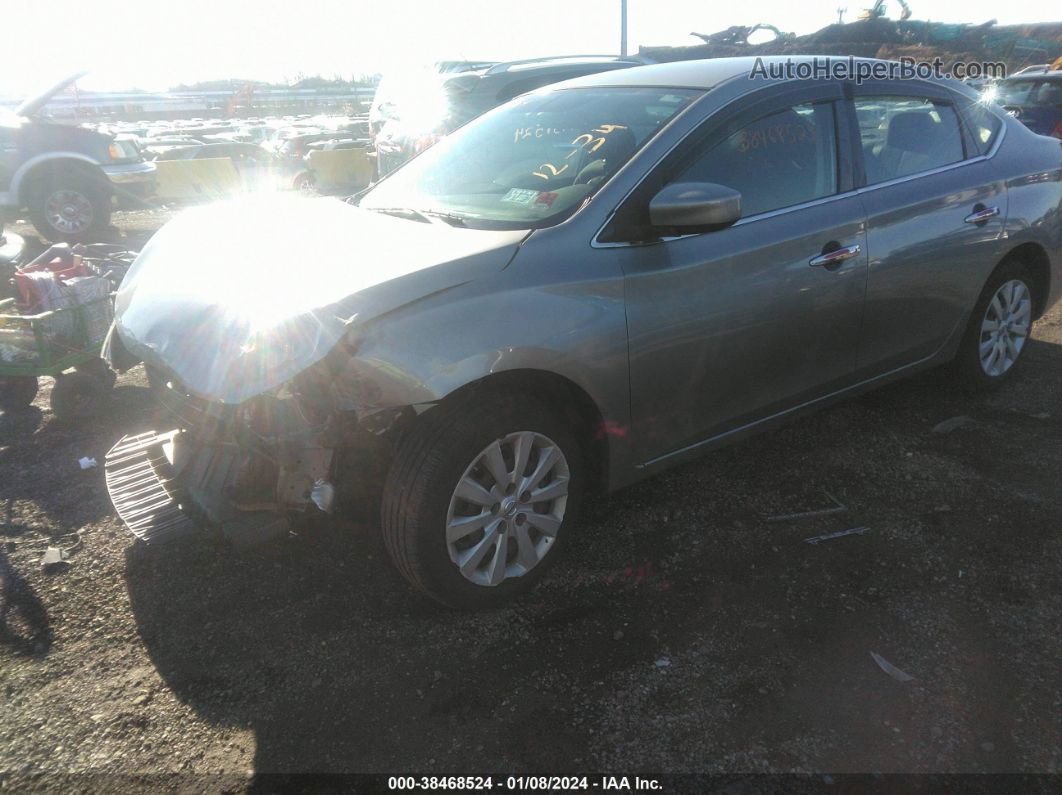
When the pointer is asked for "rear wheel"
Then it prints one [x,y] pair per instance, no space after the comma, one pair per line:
[479,499]
[1000,327]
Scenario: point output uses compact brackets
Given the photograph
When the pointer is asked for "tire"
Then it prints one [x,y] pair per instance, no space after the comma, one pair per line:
[305,182]
[70,206]
[157,383]
[99,369]
[17,392]
[420,499]
[969,366]
[77,396]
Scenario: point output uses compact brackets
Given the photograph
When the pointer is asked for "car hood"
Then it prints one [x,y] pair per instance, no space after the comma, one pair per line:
[235,298]
[32,106]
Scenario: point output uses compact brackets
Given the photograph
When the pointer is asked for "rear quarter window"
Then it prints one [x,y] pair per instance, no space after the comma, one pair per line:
[984,127]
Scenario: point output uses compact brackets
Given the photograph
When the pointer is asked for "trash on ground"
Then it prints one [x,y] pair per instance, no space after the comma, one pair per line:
[837,507]
[86,462]
[663,662]
[53,556]
[851,531]
[323,495]
[949,425]
[890,669]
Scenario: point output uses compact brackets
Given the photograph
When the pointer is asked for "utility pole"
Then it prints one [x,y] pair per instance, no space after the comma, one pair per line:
[623,27]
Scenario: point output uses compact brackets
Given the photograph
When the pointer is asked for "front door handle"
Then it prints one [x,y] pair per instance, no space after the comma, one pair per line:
[981,214]
[831,259]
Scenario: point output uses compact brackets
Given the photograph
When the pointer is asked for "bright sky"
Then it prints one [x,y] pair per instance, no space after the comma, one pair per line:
[157,45]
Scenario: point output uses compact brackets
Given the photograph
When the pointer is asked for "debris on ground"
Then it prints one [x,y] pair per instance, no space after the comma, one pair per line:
[851,531]
[837,507]
[53,556]
[663,662]
[949,425]
[86,462]
[890,669]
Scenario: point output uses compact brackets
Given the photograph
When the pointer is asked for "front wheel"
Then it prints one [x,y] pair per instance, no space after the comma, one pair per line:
[999,329]
[70,207]
[479,499]
[305,182]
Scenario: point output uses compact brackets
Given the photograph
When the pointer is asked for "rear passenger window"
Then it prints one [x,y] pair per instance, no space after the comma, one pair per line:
[906,135]
[786,158]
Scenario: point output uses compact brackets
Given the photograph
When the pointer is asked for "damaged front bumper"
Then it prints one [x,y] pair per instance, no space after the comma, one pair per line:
[170,485]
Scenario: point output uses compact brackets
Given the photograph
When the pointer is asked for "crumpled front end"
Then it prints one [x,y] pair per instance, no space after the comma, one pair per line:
[242,471]
[248,315]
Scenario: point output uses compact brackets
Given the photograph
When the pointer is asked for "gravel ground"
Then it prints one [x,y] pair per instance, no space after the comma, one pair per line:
[683,632]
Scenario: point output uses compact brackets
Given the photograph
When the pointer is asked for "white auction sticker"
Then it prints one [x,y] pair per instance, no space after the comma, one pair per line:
[520,196]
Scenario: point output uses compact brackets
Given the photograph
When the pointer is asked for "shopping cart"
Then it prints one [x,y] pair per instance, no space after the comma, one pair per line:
[55,326]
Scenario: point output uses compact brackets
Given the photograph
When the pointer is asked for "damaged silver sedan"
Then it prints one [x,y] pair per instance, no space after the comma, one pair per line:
[577,290]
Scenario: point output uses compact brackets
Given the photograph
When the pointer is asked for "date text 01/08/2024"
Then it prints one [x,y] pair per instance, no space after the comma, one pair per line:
[607,783]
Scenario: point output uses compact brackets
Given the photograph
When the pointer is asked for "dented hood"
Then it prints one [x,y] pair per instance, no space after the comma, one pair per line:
[236,298]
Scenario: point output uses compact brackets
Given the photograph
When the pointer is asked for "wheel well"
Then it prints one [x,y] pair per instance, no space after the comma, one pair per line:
[559,393]
[40,173]
[1035,259]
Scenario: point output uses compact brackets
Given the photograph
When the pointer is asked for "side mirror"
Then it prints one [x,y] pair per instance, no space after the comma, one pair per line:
[695,206]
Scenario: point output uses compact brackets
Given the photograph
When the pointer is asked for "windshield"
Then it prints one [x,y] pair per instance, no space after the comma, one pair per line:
[532,162]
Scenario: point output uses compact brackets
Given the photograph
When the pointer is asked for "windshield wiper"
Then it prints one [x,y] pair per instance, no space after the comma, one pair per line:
[425,216]
[402,212]
[451,218]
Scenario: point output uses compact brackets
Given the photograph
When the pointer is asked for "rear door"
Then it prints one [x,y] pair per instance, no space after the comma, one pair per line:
[732,326]
[935,209]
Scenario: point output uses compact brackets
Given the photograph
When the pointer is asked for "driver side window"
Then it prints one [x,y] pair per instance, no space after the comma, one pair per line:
[785,158]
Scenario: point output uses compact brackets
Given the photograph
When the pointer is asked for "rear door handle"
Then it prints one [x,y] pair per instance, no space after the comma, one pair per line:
[979,216]
[833,258]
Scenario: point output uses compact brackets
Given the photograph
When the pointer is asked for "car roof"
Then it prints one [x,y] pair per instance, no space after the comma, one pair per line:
[705,74]
[1033,77]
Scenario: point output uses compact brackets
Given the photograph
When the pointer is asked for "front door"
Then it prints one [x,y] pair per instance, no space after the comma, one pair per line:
[734,325]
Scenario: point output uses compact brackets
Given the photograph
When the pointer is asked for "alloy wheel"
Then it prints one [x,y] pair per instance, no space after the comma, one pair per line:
[507,508]
[1005,327]
[69,211]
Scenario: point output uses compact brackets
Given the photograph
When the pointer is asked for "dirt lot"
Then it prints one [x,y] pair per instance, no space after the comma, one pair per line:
[683,632]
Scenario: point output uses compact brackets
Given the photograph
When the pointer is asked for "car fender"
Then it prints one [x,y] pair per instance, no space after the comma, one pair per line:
[26,168]
[419,357]
[1034,199]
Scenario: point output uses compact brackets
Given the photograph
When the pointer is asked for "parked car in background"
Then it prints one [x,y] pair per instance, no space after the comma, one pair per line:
[257,168]
[296,146]
[1035,69]
[67,177]
[153,147]
[416,110]
[254,134]
[577,290]
[1035,100]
